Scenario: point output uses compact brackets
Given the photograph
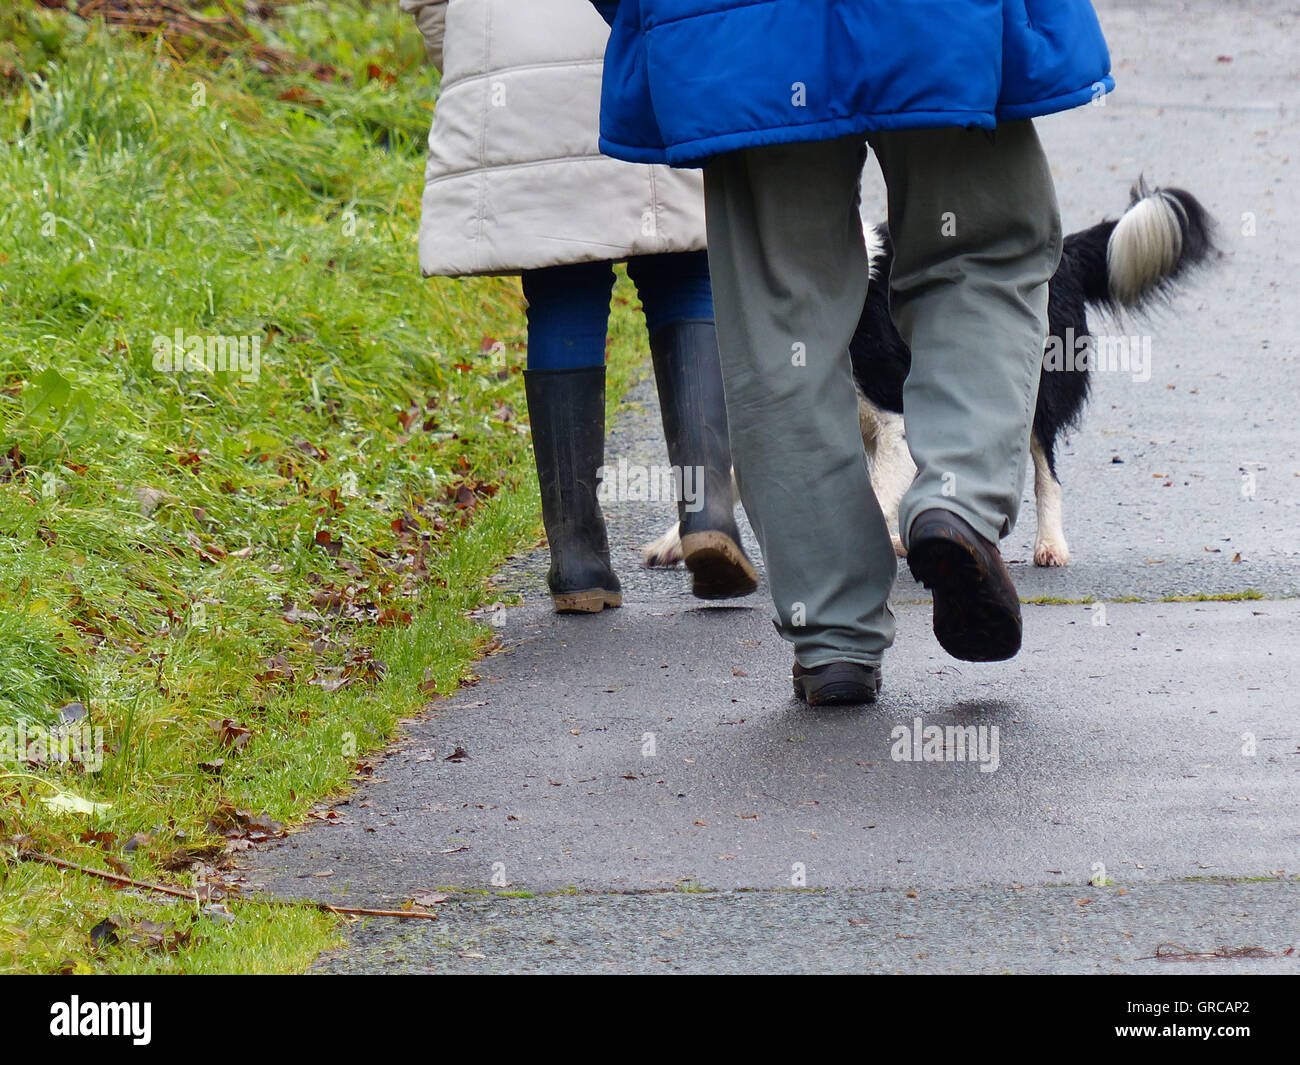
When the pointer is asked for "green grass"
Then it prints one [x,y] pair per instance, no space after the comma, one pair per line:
[294,553]
[1246,595]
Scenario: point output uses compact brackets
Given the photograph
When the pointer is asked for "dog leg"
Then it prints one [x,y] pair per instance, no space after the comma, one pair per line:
[1050,548]
[666,552]
[892,470]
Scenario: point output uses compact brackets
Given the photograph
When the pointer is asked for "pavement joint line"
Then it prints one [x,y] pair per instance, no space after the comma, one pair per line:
[1114,888]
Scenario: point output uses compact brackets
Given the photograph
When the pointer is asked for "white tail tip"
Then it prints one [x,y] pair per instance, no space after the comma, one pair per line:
[1144,248]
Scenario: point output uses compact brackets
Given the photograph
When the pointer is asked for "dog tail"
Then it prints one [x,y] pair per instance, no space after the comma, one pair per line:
[1165,233]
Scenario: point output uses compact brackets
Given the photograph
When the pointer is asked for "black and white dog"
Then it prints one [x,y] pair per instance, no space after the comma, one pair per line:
[1116,266]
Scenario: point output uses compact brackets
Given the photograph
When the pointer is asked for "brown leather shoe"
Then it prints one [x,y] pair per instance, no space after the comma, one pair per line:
[976,607]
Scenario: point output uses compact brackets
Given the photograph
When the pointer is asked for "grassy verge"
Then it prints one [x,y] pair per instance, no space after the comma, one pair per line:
[246,576]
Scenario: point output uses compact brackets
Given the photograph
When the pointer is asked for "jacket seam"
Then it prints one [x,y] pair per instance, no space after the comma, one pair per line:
[707,14]
[488,168]
[481,210]
[654,207]
[466,79]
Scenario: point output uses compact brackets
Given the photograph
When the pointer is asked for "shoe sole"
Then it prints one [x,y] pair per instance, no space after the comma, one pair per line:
[718,566]
[591,601]
[968,623]
[836,693]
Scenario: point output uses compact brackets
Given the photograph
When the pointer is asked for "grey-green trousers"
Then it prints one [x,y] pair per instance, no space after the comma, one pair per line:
[976,232]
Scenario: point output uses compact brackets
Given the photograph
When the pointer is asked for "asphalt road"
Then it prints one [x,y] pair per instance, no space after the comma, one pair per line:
[650,798]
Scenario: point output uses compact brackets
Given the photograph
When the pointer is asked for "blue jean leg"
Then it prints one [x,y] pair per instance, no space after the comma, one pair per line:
[568,315]
[673,288]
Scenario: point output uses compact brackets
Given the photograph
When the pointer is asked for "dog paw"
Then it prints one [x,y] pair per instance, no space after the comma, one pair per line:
[1051,553]
[899,549]
[663,553]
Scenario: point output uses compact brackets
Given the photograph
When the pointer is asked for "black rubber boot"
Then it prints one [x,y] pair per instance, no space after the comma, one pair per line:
[566,409]
[689,378]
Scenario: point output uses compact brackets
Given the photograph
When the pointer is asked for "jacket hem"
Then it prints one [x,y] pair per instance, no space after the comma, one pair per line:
[690,154]
[1054,104]
[431,267]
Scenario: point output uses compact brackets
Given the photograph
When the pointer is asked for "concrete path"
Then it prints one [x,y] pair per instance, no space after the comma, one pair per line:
[641,792]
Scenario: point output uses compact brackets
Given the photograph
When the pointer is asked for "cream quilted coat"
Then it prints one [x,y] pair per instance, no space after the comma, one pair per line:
[514,179]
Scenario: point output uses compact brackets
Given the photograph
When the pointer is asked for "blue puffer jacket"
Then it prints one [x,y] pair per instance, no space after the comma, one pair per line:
[687,79]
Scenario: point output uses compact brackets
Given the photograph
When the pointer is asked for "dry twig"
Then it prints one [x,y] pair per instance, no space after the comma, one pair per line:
[205,894]
[185,32]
